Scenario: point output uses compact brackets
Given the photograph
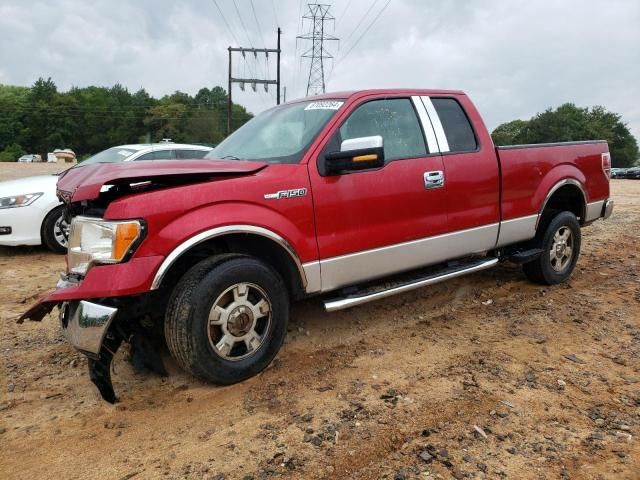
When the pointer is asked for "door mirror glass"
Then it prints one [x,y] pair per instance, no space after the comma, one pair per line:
[355,154]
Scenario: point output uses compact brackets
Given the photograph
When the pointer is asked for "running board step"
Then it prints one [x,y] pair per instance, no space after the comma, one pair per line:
[370,295]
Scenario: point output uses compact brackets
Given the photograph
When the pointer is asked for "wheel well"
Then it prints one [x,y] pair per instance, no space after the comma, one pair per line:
[44,220]
[255,245]
[567,198]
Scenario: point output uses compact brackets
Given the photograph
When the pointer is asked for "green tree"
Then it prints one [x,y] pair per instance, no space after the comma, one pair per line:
[40,116]
[506,133]
[167,121]
[89,119]
[11,153]
[571,123]
[12,103]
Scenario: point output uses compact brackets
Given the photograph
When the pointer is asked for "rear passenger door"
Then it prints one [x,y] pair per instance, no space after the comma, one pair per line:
[471,169]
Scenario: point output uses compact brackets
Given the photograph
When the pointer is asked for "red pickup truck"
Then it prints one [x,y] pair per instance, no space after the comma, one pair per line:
[322,196]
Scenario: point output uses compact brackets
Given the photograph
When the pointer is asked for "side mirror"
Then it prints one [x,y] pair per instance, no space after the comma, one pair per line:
[355,154]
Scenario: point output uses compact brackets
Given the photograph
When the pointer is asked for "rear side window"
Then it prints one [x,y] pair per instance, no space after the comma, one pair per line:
[158,155]
[456,125]
[187,154]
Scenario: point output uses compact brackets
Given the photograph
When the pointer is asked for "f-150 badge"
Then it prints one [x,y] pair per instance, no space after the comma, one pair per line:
[293,193]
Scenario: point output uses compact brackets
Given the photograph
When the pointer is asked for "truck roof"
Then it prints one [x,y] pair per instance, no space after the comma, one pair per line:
[377,91]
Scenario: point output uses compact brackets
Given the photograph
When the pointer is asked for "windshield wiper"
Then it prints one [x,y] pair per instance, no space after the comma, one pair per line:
[230,157]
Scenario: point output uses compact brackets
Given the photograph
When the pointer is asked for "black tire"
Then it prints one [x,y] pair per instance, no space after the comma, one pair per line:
[548,271]
[187,328]
[49,232]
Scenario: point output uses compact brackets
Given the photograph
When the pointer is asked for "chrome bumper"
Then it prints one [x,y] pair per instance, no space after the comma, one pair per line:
[607,209]
[85,324]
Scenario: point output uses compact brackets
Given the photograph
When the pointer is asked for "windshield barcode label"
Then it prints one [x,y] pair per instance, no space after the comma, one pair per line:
[324,105]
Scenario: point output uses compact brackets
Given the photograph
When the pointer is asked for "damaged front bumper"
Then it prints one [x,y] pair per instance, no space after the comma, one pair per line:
[105,281]
[103,309]
[85,324]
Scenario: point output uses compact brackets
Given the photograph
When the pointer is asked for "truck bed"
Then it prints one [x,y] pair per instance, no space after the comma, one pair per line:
[528,172]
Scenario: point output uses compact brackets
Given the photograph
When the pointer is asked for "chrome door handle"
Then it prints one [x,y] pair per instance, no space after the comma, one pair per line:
[434,179]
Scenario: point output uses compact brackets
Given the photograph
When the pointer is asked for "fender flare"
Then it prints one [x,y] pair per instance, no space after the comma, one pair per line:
[556,187]
[185,246]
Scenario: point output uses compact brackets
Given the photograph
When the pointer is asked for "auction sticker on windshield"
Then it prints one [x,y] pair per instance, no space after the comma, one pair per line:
[324,105]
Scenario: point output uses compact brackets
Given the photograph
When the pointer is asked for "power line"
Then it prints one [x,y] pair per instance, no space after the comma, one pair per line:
[188,114]
[295,55]
[225,22]
[246,32]
[364,33]
[257,22]
[366,14]
[105,109]
[300,16]
[275,14]
[341,16]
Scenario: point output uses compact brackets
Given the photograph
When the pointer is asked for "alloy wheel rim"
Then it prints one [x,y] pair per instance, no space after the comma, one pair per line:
[562,247]
[60,229]
[239,321]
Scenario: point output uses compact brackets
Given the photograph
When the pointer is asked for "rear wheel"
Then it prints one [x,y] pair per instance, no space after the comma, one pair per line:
[227,318]
[54,231]
[560,240]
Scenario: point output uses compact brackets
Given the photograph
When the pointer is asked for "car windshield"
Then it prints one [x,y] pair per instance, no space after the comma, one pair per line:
[278,135]
[110,155]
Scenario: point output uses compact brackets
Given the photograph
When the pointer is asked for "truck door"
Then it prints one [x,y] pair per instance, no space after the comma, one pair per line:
[471,168]
[370,223]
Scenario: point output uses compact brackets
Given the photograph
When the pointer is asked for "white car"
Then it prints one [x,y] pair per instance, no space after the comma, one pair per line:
[31,214]
[29,158]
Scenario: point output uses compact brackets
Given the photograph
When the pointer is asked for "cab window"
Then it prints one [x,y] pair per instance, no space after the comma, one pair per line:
[158,155]
[395,120]
[191,154]
[456,125]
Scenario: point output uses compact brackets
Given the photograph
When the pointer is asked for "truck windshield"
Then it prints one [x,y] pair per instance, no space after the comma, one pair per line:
[278,135]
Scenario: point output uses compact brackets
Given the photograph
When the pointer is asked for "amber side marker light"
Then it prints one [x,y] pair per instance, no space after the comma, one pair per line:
[365,158]
[126,234]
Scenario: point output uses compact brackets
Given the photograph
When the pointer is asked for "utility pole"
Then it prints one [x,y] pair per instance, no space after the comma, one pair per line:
[317,14]
[252,81]
[278,69]
[229,102]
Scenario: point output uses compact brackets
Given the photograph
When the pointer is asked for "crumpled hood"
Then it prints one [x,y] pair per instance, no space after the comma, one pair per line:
[85,182]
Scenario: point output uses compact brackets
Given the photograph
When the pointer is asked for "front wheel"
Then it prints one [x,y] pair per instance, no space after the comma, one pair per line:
[560,241]
[227,318]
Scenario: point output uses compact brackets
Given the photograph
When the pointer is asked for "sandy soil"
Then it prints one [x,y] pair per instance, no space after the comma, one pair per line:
[487,376]
[11,170]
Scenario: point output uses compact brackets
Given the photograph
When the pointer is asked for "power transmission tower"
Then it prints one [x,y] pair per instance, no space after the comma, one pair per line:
[253,81]
[318,14]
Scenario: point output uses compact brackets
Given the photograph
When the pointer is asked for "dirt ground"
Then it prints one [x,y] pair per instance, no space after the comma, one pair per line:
[11,170]
[487,376]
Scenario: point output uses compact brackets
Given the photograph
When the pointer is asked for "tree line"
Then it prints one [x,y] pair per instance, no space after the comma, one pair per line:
[571,123]
[39,119]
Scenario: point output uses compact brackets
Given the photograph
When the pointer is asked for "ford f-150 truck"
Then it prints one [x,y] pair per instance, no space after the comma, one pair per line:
[353,196]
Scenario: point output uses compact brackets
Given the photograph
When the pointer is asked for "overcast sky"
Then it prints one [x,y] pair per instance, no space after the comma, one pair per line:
[514,58]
